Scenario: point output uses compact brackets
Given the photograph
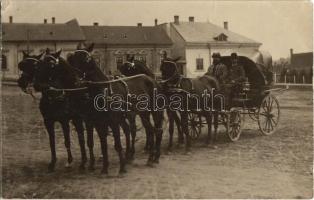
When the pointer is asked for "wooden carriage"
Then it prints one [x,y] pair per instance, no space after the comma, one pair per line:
[254,99]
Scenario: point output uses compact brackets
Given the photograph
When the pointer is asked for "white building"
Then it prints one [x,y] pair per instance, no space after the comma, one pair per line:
[195,42]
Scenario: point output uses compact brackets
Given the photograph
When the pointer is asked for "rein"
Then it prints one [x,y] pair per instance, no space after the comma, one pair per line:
[174,74]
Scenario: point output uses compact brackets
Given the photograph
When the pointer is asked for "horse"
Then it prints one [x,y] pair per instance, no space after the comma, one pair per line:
[139,85]
[54,108]
[174,84]
[69,78]
[134,67]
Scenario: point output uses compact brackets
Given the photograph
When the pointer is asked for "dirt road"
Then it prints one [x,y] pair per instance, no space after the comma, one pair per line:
[277,166]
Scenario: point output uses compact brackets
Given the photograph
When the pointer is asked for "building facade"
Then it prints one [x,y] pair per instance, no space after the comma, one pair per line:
[195,42]
[114,43]
[34,39]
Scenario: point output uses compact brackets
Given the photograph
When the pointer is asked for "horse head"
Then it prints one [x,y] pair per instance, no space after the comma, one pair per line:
[134,68]
[169,70]
[85,65]
[28,67]
[54,72]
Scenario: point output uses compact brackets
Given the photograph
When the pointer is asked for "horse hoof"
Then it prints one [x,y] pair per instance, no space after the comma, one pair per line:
[211,146]
[68,165]
[122,171]
[51,168]
[156,161]
[91,168]
[82,167]
[150,164]
[104,171]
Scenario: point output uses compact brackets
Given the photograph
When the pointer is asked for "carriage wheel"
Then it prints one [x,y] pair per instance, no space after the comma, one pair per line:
[253,113]
[195,125]
[233,123]
[268,115]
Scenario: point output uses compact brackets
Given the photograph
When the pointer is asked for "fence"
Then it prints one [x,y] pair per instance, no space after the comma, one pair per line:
[292,79]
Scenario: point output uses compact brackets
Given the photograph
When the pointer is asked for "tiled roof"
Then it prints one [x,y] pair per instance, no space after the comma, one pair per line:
[205,32]
[69,31]
[126,35]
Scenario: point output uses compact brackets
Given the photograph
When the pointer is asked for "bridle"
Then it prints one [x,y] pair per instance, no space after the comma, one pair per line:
[131,64]
[174,74]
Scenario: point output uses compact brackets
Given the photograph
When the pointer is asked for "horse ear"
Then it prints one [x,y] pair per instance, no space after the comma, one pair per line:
[24,54]
[176,59]
[58,53]
[79,46]
[47,51]
[90,48]
[40,55]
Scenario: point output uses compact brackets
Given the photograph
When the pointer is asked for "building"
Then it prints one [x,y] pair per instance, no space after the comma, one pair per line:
[195,42]
[35,38]
[114,43]
[301,61]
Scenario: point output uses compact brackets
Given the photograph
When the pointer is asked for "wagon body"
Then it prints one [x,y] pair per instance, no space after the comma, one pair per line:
[257,101]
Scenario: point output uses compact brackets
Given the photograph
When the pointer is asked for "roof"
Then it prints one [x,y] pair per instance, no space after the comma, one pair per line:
[302,59]
[69,31]
[205,32]
[132,35]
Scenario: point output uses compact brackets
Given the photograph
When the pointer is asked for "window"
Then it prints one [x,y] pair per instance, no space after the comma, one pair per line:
[119,61]
[199,64]
[221,37]
[123,35]
[141,58]
[4,65]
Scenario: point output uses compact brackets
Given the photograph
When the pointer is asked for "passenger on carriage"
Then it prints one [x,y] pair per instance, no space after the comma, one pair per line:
[218,69]
[236,71]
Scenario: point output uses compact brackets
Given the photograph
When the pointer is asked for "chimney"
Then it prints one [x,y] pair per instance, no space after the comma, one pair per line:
[45,21]
[191,19]
[156,22]
[11,19]
[139,24]
[176,19]
[95,24]
[291,52]
[226,25]
[53,20]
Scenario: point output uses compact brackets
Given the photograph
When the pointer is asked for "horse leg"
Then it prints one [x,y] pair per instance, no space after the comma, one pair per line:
[209,124]
[102,133]
[132,123]
[216,115]
[184,123]
[126,130]
[158,120]
[150,136]
[66,131]
[49,124]
[117,145]
[171,129]
[178,123]
[90,144]
[78,124]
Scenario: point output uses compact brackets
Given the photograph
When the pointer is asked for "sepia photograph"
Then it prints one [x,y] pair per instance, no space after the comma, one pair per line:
[156,99]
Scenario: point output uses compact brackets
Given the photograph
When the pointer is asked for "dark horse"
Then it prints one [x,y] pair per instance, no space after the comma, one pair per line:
[134,67]
[54,108]
[190,91]
[71,78]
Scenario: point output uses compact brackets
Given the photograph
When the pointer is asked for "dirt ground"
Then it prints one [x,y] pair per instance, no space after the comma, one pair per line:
[276,166]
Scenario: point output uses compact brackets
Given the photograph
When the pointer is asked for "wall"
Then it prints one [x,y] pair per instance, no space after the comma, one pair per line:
[191,55]
[13,52]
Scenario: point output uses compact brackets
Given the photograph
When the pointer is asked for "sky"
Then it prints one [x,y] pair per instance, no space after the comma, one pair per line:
[279,25]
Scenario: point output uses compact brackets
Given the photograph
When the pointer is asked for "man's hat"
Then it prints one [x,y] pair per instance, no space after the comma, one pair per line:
[234,55]
[216,55]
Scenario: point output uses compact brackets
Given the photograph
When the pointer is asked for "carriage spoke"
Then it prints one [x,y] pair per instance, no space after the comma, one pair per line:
[273,121]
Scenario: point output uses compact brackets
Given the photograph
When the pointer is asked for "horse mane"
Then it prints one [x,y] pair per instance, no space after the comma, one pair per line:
[145,69]
[96,74]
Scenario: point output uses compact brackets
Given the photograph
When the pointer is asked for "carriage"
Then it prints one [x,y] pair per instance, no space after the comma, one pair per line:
[255,99]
